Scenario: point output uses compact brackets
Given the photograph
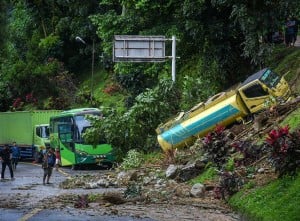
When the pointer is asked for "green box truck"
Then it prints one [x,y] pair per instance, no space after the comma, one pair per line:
[29,129]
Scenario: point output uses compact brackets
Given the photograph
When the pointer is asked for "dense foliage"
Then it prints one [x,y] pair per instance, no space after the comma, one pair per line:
[219,43]
[134,129]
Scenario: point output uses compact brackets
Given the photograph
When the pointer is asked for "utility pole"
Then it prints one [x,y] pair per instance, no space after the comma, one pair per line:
[93,61]
[93,64]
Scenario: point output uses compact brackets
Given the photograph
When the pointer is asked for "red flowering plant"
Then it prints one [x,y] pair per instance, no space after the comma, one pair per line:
[219,129]
[285,150]
[216,145]
[111,89]
[30,98]
[17,104]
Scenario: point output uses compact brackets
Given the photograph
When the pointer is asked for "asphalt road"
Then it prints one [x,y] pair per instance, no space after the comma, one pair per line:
[19,198]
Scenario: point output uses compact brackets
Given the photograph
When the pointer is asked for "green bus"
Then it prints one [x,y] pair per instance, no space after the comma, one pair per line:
[66,133]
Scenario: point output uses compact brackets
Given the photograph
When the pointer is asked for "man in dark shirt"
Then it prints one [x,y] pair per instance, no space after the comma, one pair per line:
[49,162]
[6,155]
[15,155]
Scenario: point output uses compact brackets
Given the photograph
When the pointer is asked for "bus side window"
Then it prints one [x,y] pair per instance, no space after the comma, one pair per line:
[65,133]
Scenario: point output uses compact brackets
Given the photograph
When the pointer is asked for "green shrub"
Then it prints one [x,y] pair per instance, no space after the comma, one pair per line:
[133,159]
[230,165]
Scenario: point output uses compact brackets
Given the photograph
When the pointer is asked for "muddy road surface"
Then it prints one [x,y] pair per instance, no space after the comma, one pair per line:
[26,198]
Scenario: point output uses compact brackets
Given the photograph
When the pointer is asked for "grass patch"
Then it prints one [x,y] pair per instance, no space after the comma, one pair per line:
[209,174]
[101,80]
[284,60]
[115,100]
[287,61]
[278,200]
[293,120]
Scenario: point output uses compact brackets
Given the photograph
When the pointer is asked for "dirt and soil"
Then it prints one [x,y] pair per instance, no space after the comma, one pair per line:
[71,192]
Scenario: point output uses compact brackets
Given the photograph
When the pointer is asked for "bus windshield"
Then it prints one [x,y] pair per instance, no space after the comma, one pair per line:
[271,79]
[82,123]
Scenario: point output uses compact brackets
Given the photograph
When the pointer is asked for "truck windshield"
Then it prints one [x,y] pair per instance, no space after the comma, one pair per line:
[271,79]
[43,131]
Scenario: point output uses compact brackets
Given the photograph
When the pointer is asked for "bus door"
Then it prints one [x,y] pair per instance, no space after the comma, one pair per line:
[67,147]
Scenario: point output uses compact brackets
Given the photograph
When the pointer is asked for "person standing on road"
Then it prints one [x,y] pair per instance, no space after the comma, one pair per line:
[6,155]
[15,155]
[48,164]
[296,24]
[57,156]
[289,31]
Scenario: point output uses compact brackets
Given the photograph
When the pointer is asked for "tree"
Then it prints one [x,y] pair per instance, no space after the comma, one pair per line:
[135,129]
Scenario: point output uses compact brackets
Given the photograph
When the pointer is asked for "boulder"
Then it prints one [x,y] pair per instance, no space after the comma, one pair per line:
[198,190]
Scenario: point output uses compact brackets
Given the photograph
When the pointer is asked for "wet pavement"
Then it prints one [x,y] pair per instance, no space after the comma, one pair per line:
[20,198]
[48,215]
[59,215]
[26,198]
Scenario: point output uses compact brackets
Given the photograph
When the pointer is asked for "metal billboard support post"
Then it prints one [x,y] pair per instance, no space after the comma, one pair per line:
[173,58]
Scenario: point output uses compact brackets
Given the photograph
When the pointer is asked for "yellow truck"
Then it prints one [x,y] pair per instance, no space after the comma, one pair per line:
[223,109]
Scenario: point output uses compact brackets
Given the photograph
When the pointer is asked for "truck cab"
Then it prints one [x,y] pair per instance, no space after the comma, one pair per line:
[41,140]
[263,88]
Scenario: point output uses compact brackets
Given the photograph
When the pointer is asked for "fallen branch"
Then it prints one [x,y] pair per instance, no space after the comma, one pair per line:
[258,161]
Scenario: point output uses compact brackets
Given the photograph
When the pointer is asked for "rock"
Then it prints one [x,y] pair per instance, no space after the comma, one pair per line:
[259,122]
[261,170]
[250,176]
[91,186]
[160,183]
[172,183]
[172,170]
[147,180]
[182,191]
[190,170]
[198,190]
[103,183]
[114,198]
[124,177]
